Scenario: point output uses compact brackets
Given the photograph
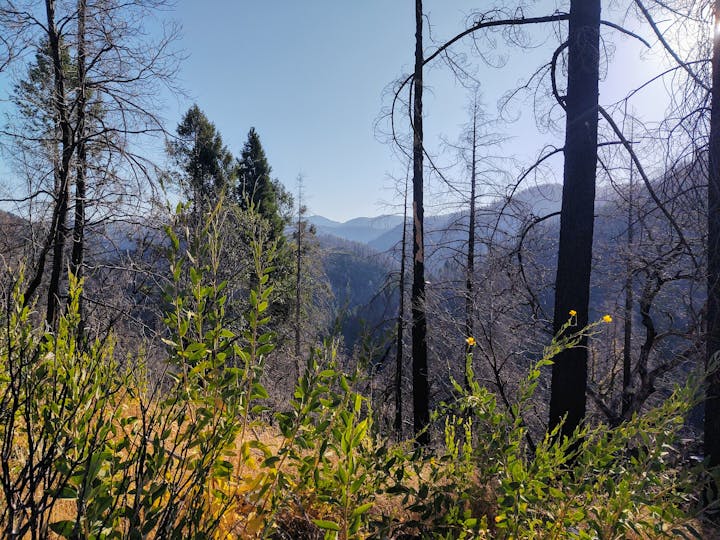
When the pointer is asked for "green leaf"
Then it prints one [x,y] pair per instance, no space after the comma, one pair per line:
[64,528]
[327,525]
[194,275]
[361,509]
[259,392]
[68,492]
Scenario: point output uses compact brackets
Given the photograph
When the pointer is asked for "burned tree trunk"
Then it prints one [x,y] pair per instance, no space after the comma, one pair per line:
[470,266]
[421,389]
[78,247]
[712,399]
[400,325]
[58,230]
[572,283]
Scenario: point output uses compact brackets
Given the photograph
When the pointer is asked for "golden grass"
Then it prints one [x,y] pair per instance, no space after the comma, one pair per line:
[244,518]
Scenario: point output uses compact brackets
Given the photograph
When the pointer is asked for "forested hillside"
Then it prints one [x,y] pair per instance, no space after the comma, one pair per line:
[522,344]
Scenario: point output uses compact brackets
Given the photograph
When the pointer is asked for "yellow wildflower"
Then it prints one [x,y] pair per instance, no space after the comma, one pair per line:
[470,341]
[607,318]
[573,312]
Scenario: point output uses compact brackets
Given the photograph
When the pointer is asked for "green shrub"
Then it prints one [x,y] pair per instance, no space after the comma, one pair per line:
[91,449]
[602,483]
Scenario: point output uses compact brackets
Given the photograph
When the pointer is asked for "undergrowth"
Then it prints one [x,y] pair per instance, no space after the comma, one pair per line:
[92,448]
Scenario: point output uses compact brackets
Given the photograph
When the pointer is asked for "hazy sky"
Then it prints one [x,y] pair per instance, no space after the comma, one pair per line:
[310,75]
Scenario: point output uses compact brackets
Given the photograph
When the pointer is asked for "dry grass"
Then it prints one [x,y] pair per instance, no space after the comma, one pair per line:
[295,521]
[244,519]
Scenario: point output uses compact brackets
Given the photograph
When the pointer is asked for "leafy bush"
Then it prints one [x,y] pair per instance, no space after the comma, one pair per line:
[92,449]
[602,482]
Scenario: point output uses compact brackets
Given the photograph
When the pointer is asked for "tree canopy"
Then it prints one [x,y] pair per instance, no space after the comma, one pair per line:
[255,186]
[205,161]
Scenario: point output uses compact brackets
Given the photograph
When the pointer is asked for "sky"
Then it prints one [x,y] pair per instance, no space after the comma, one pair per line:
[312,77]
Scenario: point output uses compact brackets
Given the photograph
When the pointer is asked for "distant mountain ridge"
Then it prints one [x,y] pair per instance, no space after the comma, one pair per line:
[382,233]
[362,229]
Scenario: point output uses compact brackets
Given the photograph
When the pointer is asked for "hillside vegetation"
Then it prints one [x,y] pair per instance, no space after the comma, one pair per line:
[94,447]
[527,347]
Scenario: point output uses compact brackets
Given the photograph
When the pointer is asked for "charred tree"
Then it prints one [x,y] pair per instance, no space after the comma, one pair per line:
[400,324]
[470,266]
[78,244]
[627,327]
[299,233]
[59,227]
[421,387]
[572,283]
[712,399]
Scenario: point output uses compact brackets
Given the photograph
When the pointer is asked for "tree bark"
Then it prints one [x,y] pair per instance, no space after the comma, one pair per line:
[712,399]
[572,283]
[400,325]
[421,388]
[78,249]
[470,267]
[59,225]
[298,269]
[627,327]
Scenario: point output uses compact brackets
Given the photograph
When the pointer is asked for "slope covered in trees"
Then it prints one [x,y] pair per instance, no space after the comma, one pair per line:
[185,354]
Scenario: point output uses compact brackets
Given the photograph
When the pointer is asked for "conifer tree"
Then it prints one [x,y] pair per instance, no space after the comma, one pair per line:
[204,159]
[256,186]
[90,92]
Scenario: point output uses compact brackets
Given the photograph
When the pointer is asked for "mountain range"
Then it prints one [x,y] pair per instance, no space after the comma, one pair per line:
[444,232]
[364,230]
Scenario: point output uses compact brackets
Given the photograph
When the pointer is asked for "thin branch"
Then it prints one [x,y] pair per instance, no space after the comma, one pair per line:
[626,32]
[628,146]
[668,48]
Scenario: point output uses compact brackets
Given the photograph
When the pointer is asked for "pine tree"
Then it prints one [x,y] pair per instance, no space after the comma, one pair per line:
[39,104]
[204,159]
[256,186]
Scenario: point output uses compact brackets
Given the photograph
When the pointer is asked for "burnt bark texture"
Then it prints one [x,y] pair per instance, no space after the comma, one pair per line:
[59,229]
[712,400]
[399,356]
[421,388]
[78,238]
[470,267]
[572,283]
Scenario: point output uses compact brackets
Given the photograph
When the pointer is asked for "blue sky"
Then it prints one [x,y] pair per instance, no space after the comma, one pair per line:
[310,76]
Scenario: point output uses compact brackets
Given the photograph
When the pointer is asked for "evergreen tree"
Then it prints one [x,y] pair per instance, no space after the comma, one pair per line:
[204,159]
[257,187]
[33,98]
[87,95]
